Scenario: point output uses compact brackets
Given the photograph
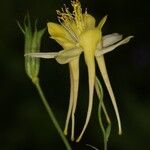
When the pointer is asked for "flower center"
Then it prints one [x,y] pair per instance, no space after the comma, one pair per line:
[78,16]
[73,22]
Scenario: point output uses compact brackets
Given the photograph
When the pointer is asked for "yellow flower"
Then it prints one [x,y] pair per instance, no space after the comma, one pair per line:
[78,33]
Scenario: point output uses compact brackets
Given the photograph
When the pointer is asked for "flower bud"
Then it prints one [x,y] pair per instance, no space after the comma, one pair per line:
[32,45]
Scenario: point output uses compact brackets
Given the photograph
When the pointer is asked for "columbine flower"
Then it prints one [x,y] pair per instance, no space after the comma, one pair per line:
[78,33]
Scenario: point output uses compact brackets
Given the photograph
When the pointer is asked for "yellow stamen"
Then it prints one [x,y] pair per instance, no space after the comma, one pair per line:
[78,16]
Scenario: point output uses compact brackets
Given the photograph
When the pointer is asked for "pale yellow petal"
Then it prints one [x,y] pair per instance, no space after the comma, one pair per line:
[64,42]
[74,79]
[56,30]
[91,78]
[66,56]
[103,70]
[70,103]
[110,39]
[89,40]
[46,55]
[100,51]
[74,66]
[102,22]
[89,21]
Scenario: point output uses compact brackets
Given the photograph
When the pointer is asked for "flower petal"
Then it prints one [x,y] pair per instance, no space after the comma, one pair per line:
[103,70]
[61,35]
[111,39]
[89,21]
[70,103]
[66,56]
[64,42]
[74,84]
[102,22]
[47,55]
[110,48]
[91,77]
[74,66]
[89,41]
[56,30]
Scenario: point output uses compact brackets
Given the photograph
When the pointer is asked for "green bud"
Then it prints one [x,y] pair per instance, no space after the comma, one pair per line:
[32,45]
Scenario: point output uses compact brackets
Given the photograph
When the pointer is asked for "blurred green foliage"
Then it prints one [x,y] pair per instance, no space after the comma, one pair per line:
[24,123]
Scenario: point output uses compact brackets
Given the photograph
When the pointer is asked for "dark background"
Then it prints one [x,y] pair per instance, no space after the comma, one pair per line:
[24,123]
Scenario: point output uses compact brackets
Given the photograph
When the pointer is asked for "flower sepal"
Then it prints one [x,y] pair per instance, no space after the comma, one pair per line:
[62,57]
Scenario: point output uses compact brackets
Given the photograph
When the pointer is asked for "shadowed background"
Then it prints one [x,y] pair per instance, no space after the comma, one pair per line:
[24,123]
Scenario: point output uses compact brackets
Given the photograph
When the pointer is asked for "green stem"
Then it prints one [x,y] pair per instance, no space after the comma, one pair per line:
[105,145]
[106,132]
[51,114]
[101,123]
[100,119]
[106,114]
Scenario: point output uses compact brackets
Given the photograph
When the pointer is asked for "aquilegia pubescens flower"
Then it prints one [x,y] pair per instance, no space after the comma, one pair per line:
[77,33]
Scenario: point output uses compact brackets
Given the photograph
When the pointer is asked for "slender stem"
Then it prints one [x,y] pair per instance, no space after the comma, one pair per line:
[101,124]
[51,114]
[105,145]
[100,119]
[93,147]
[106,114]
[101,106]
